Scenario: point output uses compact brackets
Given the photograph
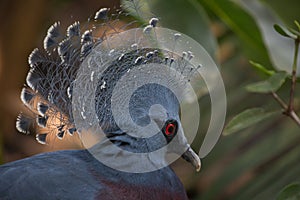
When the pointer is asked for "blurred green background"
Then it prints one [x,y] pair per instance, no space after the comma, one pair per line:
[254,163]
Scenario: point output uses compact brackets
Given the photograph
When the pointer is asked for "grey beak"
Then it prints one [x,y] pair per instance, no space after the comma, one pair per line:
[193,158]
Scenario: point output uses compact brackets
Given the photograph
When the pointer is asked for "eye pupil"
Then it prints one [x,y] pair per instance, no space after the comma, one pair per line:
[170,129]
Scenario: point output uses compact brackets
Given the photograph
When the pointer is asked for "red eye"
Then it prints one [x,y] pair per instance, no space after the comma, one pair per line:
[170,129]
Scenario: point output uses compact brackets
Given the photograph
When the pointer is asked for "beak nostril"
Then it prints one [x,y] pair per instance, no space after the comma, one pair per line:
[193,158]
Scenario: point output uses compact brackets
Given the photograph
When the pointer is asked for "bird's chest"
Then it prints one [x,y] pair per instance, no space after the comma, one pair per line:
[134,191]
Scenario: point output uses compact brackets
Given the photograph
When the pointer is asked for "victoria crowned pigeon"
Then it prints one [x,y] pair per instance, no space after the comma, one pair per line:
[71,92]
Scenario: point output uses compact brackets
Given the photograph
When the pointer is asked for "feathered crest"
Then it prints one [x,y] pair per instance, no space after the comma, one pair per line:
[49,90]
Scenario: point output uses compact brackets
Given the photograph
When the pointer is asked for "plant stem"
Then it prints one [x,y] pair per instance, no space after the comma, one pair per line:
[295,117]
[294,76]
[280,101]
[292,114]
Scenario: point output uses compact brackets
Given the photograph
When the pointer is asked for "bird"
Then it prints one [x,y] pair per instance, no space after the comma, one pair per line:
[70,94]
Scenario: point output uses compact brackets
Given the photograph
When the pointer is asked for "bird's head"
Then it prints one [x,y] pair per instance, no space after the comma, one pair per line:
[138,110]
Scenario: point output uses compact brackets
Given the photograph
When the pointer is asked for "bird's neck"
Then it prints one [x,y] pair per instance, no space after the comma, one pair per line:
[132,155]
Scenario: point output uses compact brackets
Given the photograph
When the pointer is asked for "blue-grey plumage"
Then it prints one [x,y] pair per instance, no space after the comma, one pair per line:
[76,174]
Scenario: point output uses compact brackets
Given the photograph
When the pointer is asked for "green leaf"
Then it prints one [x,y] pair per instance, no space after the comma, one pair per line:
[294,32]
[290,192]
[272,84]
[243,25]
[247,118]
[279,50]
[261,68]
[297,24]
[137,8]
[280,30]
[287,10]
